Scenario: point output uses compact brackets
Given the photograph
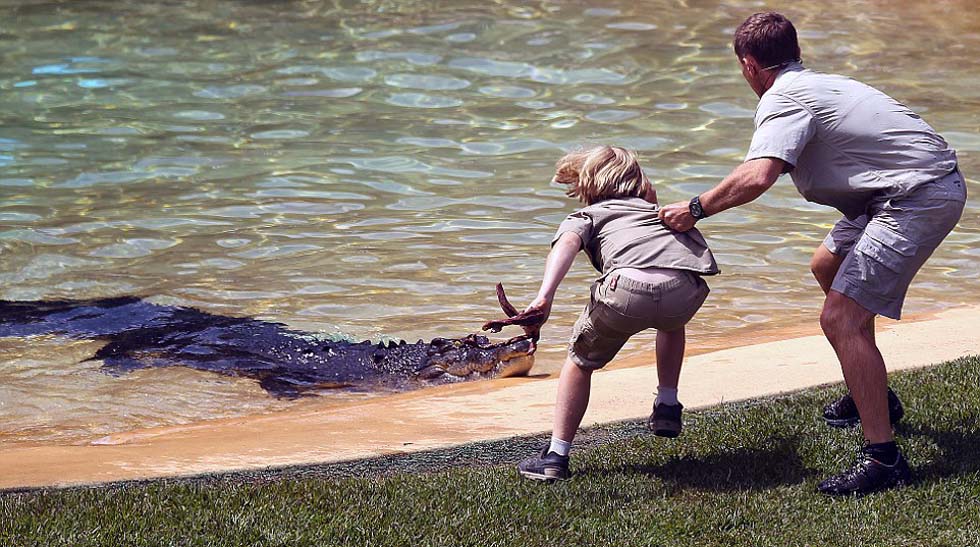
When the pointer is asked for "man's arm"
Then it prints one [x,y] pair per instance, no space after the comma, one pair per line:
[744,184]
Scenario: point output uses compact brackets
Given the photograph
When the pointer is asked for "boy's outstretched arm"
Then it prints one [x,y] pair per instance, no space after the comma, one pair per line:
[560,260]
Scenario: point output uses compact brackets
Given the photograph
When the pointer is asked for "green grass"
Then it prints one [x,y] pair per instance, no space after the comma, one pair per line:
[741,474]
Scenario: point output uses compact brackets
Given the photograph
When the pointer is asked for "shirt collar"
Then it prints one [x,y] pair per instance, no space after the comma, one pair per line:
[786,75]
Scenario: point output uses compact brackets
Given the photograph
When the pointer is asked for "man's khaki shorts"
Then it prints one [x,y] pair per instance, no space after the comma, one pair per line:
[620,307]
[884,249]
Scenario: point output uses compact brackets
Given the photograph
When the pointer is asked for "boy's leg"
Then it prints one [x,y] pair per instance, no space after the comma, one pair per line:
[670,355]
[573,398]
[665,421]
[574,386]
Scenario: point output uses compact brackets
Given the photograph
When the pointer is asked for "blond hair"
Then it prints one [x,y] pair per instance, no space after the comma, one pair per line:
[602,172]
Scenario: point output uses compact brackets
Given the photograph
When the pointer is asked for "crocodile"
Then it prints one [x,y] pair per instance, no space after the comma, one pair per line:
[287,363]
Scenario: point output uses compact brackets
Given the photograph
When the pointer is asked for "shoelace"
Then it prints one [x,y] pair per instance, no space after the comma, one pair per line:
[859,468]
[862,464]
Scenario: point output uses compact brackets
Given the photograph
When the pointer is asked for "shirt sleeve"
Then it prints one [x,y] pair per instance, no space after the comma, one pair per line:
[579,223]
[782,129]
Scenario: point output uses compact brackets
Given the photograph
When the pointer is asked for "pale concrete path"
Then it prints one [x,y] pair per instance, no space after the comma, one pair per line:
[325,432]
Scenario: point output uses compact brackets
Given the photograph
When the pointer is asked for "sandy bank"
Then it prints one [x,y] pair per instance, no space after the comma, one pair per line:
[322,431]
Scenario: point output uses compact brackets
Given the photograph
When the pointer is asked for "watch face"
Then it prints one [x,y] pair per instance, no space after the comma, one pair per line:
[696,210]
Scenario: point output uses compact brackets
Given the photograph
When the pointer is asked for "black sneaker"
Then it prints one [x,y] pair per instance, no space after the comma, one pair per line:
[665,420]
[843,412]
[868,475]
[547,466]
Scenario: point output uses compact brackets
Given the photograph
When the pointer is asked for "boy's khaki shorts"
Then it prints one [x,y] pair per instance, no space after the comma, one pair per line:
[620,307]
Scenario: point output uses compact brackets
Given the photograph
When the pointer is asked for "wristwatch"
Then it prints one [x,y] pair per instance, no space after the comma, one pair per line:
[696,210]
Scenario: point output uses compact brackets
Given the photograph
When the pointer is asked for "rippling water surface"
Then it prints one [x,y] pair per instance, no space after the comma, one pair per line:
[373,168]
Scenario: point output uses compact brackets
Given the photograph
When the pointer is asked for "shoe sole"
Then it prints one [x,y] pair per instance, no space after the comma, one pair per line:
[849,422]
[669,433]
[899,483]
[664,428]
[842,423]
[540,477]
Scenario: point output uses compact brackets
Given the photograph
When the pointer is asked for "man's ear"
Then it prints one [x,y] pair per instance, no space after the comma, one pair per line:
[751,66]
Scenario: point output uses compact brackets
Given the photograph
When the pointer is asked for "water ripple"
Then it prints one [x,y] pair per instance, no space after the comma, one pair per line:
[423,81]
[404,164]
[421,100]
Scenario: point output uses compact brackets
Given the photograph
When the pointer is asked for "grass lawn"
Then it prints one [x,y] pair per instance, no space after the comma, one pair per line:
[741,474]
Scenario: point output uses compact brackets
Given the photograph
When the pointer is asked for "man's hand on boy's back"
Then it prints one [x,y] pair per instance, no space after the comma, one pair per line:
[677,216]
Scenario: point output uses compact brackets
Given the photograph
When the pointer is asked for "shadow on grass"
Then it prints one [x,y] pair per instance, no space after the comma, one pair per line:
[741,469]
[959,454]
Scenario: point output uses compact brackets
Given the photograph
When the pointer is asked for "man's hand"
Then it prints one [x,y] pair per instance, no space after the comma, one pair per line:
[677,216]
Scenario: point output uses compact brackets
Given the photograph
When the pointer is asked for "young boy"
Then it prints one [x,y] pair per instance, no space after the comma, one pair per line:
[651,278]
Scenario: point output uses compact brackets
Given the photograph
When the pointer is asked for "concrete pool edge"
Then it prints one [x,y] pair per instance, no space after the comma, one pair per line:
[320,432]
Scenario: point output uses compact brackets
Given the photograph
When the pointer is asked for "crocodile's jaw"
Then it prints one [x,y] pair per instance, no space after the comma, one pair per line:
[512,358]
[516,366]
[519,366]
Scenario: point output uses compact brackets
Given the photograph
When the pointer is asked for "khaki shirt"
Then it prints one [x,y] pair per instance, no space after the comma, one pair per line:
[628,233]
[847,142]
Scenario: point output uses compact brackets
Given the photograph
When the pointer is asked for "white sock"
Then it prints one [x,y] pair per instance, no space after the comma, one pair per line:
[560,447]
[666,395]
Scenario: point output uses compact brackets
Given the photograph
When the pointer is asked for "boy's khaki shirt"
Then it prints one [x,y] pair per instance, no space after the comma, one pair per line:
[628,233]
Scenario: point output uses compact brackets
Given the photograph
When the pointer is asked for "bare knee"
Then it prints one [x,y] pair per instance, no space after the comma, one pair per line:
[819,268]
[842,316]
[574,370]
[828,321]
[824,266]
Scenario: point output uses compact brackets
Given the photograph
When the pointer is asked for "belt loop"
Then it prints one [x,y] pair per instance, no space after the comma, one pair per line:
[613,281]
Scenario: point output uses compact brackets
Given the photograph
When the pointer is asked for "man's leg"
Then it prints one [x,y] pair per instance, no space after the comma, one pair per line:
[845,323]
[824,266]
[872,280]
[881,465]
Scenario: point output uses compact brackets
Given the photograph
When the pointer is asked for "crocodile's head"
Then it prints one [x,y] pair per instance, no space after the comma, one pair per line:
[475,355]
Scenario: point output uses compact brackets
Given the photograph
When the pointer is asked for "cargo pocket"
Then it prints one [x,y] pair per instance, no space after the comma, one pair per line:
[585,346]
[883,256]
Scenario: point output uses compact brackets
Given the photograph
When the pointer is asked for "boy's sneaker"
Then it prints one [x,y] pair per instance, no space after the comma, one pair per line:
[843,412]
[547,466]
[665,420]
[868,475]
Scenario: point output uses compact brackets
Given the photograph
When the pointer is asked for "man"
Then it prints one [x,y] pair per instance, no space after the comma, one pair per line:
[896,181]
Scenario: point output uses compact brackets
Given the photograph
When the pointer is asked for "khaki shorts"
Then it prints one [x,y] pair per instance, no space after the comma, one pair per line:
[885,249]
[620,307]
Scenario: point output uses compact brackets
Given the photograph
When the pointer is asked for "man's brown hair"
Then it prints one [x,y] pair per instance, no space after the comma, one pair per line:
[768,37]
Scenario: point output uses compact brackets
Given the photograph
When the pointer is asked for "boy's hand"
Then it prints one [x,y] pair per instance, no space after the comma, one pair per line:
[540,306]
[677,216]
[530,319]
